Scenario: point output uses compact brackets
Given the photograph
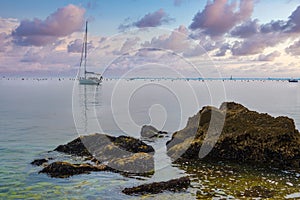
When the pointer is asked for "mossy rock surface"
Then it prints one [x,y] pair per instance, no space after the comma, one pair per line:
[245,136]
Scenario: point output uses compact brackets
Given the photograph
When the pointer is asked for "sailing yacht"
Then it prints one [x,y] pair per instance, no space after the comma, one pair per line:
[88,78]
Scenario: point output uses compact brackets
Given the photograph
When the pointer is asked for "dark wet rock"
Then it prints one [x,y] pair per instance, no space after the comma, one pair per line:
[123,154]
[39,162]
[75,147]
[247,136]
[173,185]
[148,131]
[65,169]
[258,191]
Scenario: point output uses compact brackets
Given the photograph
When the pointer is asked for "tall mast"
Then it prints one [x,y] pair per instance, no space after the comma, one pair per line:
[85,48]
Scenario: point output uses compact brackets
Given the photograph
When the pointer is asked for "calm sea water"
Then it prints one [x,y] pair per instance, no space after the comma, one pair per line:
[36,116]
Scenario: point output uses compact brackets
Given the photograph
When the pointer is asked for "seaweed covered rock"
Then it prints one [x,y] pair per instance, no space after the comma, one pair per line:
[65,169]
[173,185]
[236,133]
[123,153]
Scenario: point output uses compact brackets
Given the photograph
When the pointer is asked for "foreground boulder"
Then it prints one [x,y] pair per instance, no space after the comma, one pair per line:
[173,185]
[122,154]
[239,134]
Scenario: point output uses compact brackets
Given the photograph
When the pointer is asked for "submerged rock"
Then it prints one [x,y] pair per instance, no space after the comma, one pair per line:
[65,169]
[239,134]
[173,185]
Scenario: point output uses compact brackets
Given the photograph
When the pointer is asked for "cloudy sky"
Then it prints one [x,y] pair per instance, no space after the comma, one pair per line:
[245,38]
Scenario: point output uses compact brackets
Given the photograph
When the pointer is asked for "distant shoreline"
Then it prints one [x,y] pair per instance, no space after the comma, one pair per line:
[154,78]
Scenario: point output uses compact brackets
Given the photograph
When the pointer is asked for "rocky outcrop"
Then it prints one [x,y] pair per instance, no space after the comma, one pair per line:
[236,133]
[123,154]
[65,169]
[173,185]
[148,131]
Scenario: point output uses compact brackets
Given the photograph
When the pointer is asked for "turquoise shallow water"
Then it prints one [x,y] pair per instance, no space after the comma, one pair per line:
[36,116]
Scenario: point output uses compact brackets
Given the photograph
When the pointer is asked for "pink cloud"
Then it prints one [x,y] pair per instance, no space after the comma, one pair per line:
[220,16]
[177,41]
[257,37]
[154,19]
[61,23]
[256,44]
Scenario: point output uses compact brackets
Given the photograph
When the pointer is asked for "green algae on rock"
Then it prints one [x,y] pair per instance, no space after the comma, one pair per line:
[247,136]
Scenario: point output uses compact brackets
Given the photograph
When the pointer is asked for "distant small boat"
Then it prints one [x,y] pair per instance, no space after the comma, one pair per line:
[292,80]
[89,78]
